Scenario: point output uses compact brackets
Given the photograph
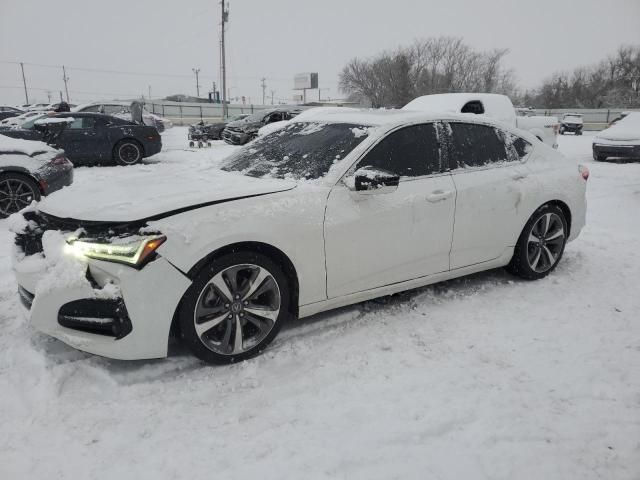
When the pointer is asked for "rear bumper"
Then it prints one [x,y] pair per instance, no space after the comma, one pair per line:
[55,178]
[612,150]
[571,128]
[151,148]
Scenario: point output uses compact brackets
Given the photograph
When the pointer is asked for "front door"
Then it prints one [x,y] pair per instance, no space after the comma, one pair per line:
[377,240]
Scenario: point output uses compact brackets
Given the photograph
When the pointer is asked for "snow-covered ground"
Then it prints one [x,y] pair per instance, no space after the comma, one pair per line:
[482,377]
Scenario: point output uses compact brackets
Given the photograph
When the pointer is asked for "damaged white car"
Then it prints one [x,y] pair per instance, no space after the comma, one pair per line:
[346,207]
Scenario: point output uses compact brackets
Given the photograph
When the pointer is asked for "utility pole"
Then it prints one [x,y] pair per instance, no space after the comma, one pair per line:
[65,79]
[49,96]
[24,82]
[197,71]
[149,87]
[225,19]
[273,92]
[264,88]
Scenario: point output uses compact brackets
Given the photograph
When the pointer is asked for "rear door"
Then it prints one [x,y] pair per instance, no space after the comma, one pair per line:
[491,180]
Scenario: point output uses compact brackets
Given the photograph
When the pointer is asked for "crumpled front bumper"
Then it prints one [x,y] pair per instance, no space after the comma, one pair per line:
[149,298]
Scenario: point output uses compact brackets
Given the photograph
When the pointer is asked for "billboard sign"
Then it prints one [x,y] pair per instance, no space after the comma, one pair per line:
[303,81]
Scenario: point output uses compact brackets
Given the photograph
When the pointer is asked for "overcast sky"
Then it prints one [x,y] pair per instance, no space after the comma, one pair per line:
[279,38]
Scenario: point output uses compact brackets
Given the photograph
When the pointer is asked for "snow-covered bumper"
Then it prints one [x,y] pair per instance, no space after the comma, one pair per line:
[603,148]
[100,307]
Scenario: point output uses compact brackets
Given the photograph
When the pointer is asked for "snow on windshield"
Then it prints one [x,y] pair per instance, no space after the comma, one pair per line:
[298,151]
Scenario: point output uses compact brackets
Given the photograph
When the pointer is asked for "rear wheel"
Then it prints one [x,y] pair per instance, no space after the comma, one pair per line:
[127,152]
[541,244]
[234,308]
[16,192]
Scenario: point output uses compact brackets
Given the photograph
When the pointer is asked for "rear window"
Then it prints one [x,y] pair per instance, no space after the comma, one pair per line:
[474,145]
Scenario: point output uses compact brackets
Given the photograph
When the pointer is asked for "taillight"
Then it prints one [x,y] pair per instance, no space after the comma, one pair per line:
[59,160]
[584,172]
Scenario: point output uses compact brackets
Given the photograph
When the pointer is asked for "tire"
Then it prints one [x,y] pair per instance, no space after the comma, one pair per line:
[232,275]
[16,192]
[561,132]
[578,133]
[541,244]
[191,144]
[127,152]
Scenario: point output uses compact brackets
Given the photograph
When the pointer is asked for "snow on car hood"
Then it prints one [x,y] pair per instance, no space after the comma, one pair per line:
[148,194]
[626,129]
[27,154]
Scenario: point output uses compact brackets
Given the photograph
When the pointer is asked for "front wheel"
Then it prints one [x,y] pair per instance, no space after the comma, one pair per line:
[541,244]
[234,308]
[127,152]
[16,192]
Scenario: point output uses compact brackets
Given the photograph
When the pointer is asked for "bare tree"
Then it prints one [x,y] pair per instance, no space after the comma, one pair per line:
[432,65]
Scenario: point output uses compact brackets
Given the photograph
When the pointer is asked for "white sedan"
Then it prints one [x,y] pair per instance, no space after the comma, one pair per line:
[338,209]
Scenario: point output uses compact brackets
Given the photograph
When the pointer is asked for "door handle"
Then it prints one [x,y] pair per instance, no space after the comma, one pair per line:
[439,195]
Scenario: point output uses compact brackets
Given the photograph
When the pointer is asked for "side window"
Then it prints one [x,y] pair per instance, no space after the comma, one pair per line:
[517,148]
[474,106]
[408,152]
[84,122]
[92,108]
[474,145]
[111,109]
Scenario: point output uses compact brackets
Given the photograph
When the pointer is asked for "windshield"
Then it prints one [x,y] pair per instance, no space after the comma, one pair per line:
[298,151]
[28,125]
[573,117]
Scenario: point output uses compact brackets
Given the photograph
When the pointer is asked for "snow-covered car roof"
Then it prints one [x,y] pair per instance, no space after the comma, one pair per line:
[381,117]
[628,128]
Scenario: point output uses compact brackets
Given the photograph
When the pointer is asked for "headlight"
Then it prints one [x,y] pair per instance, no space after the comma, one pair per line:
[131,251]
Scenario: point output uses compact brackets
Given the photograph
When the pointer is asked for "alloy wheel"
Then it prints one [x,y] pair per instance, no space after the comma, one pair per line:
[545,243]
[237,309]
[15,194]
[129,153]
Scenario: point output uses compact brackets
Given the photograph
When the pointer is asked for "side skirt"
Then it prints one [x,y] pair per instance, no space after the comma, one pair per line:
[317,307]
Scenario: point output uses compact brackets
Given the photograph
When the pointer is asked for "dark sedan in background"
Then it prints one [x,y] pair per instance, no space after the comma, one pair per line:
[9,112]
[92,138]
[245,130]
[28,171]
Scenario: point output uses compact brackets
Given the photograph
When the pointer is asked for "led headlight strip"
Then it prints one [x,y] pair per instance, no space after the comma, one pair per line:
[134,252]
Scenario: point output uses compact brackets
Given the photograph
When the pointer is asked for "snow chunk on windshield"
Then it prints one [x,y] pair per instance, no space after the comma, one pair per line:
[360,132]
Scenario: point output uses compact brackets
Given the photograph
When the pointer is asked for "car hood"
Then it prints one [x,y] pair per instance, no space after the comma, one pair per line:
[147,195]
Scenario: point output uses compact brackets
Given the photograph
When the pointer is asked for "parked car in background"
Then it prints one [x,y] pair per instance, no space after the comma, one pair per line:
[203,131]
[9,112]
[491,105]
[43,107]
[28,171]
[572,123]
[123,110]
[622,140]
[328,212]
[243,131]
[93,138]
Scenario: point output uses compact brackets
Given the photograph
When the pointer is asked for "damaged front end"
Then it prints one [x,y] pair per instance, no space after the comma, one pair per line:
[97,286]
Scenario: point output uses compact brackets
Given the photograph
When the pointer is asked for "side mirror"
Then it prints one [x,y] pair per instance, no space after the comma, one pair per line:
[373,181]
